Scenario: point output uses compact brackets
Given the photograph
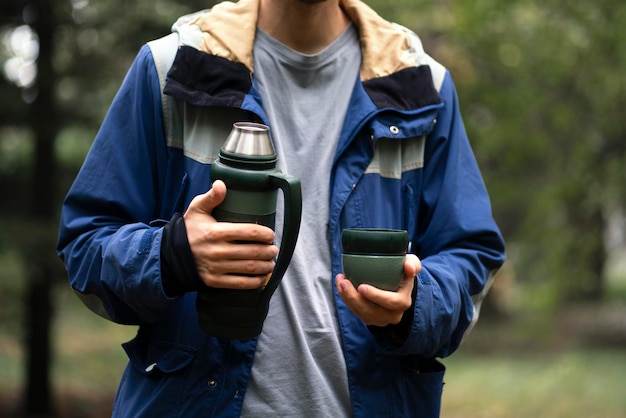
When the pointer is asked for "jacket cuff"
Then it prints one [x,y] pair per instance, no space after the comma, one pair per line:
[179,274]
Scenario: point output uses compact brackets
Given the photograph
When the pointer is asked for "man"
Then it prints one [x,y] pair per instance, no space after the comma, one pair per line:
[370,124]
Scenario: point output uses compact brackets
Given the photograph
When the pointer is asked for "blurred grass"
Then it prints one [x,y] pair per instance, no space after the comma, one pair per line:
[573,383]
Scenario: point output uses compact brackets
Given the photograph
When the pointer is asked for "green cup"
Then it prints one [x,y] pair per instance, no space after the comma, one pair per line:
[374,256]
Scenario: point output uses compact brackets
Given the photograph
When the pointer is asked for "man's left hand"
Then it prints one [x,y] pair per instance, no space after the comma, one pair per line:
[381,307]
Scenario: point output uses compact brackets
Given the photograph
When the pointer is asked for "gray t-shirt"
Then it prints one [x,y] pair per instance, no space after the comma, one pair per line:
[299,368]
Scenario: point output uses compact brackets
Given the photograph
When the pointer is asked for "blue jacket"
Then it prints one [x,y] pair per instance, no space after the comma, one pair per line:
[403,161]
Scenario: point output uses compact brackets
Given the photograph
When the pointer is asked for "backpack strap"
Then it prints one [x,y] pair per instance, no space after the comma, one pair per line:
[163,52]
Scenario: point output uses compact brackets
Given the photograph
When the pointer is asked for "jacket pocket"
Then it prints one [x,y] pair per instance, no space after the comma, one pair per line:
[423,388]
[156,380]
[159,356]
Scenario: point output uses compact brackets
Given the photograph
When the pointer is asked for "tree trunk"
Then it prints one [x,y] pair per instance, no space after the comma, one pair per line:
[585,281]
[597,257]
[38,390]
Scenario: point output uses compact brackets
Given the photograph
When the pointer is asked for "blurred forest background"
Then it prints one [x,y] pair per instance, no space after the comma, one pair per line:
[542,88]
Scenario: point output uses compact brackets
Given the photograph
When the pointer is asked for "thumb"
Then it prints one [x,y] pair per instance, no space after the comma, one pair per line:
[412,265]
[211,199]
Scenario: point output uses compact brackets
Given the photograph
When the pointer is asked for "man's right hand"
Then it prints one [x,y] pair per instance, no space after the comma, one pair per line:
[228,255]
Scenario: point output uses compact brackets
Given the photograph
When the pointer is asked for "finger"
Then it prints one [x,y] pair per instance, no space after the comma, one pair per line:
[360,306]
[368,312]
[412,265]
[211,199]
[399,300]
[380,307]
[253,233]
[346,289]
[240,233]
[239,282]
[247,268]
[245,251]
[236,274]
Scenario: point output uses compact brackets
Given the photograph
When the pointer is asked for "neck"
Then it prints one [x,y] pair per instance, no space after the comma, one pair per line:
[307,26]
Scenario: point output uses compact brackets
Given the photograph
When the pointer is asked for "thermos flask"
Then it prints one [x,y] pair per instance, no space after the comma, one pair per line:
[247,165]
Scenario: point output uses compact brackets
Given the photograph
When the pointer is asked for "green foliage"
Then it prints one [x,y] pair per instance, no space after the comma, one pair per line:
[16,150]
[97,44]
[72,145]
[11,288]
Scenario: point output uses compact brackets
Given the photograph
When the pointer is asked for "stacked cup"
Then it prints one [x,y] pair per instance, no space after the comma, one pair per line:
[374,256]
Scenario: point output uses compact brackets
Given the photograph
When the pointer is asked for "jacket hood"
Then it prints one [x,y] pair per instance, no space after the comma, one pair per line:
[215,63]
[228,31]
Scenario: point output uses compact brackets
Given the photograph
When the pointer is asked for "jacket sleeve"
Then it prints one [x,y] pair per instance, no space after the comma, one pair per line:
[457,239]
[109,236]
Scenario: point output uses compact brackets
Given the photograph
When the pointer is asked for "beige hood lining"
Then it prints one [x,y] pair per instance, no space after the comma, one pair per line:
[228,31]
